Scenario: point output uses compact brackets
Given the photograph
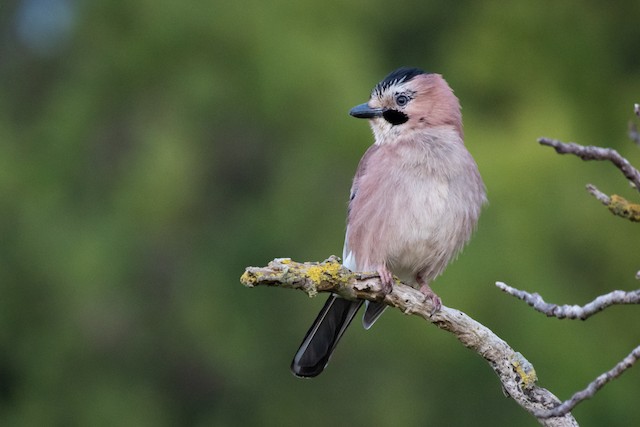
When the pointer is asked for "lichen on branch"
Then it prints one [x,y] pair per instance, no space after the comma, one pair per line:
[517,375]
[622,207]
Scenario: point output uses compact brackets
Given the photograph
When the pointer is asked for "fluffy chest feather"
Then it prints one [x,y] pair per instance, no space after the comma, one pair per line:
[414,205]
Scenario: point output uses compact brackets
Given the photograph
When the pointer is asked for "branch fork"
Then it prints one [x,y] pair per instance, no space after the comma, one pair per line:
[517,375]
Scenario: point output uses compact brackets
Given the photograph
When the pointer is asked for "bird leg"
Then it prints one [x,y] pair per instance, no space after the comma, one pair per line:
[386,277]
[428,293]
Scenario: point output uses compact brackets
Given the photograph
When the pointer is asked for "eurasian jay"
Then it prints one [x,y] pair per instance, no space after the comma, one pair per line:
[415,201]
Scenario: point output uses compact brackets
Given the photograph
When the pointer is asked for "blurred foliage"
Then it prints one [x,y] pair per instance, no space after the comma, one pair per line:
[149,151]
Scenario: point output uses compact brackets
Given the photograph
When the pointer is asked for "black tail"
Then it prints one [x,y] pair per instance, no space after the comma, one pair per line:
[323,336]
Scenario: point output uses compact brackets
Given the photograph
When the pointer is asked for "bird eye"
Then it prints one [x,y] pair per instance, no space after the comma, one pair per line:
[402,100]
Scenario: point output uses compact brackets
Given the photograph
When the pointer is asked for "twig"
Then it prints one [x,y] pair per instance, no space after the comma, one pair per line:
[596,153]
[620,206]
[617,205]
[516,374]
[634,135]
[572,311]
[582,313]
[606,200]
[593,387]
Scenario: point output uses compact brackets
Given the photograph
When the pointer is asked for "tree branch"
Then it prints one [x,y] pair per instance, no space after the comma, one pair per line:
[516,374]
[596,153]
[572,311]
[620,206]
[593,387]
[582,313]
[617,205]
[634,135]
[606,200]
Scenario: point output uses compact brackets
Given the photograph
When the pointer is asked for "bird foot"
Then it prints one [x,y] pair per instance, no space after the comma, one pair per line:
[386,277]
[430,295]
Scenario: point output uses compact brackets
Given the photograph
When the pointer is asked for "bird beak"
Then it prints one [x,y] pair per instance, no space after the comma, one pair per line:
[363,111]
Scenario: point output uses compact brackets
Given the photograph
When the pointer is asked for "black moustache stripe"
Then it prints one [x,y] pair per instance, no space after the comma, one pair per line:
[395,117]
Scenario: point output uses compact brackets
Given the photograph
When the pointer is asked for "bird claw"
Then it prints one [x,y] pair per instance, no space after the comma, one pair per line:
[386,277]
[430,295]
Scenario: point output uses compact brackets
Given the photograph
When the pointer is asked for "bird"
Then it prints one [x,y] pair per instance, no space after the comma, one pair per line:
[414,203]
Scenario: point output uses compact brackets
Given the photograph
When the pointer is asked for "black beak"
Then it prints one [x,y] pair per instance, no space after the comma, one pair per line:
[363,111]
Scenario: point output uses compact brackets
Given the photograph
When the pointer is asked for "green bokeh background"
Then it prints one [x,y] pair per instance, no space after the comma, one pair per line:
[151,150]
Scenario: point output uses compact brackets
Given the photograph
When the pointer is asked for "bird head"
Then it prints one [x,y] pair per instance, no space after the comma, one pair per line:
[408,102]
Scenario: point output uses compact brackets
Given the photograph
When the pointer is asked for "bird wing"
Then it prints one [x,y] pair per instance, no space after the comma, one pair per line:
[348,256]
[373,309]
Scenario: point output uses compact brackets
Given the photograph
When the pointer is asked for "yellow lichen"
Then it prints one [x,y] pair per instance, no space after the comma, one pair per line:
[525,370]
[622,207]
[248,279]
[316,273]
[326,271]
